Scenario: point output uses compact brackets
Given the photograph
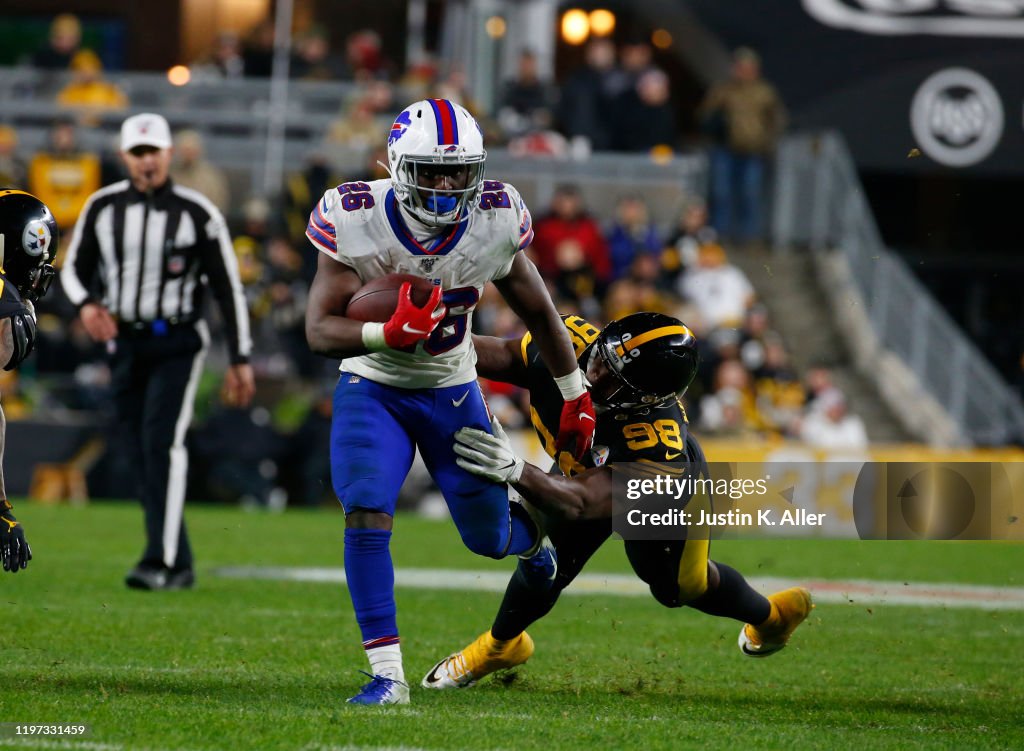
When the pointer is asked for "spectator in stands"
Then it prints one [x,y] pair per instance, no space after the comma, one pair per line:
[754,338]
[731,409]
[88,92]
[191,170]
[818,381]
[571,251]
[831,426]
[286,292]
[302,189]
[454,87]
[683,244]
[779,392]
[357,130]
[744,117]
[365,56]
[638,290]
[12,168]
[585,108]
[314,60]
[632,234]
[224,61]
[635,59]
[258,50]
[527,102]
[250,246]
[721,292]
[64,176]
[64,41]
[419,76]
[644,120]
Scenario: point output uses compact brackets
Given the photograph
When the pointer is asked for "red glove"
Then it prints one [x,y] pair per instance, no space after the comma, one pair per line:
[576,426]
[410,324]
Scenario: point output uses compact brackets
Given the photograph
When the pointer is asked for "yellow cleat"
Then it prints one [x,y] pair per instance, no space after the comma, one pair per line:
[790,608]
[485,655]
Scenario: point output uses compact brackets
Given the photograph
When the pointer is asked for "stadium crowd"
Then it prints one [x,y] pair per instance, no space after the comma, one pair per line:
[618,99]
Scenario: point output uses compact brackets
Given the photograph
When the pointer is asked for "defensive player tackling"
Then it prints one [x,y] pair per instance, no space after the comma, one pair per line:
[638,367]
[411,381]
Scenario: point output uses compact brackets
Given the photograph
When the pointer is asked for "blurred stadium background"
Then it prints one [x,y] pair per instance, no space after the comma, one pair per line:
[872,311]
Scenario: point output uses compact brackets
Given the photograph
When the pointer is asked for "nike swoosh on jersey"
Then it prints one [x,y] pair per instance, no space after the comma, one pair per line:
[409,330]
[670,456]
[458,402]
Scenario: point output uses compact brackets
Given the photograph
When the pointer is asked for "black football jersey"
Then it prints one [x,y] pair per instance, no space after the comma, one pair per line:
[655,435]
[10,300]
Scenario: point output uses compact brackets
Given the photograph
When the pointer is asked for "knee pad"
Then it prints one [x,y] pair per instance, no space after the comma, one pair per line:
[492,543]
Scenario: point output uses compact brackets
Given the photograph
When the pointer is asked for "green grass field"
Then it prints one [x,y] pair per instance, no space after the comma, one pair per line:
[246,664]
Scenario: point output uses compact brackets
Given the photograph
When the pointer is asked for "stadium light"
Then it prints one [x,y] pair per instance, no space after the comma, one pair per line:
[575,26]
[495,27]
[602,22]
[179,75]
[661,39]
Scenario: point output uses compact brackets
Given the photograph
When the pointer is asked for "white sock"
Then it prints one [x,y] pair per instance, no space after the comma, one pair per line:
[387,661]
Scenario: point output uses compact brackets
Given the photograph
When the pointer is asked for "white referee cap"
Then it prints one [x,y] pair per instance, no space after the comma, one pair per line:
[147,129]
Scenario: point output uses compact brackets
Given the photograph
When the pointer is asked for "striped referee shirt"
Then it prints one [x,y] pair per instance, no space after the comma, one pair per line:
[148,257]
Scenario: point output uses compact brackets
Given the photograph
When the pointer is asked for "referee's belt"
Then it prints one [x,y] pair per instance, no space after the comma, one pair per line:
[157,327]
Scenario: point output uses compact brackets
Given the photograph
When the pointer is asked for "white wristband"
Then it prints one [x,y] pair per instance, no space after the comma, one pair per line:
[517,470]
[570,385]
[373,337]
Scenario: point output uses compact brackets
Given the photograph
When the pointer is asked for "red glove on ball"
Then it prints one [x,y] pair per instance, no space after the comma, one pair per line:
[410,324]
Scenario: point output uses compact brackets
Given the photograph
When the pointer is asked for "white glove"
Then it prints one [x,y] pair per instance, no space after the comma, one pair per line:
[487,455]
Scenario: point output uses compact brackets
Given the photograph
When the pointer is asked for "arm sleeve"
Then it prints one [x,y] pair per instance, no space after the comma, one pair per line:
[320,230]
[80,263]
[221,268]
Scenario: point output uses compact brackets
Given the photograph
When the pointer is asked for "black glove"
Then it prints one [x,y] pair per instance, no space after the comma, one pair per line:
[14,547]
[23,334]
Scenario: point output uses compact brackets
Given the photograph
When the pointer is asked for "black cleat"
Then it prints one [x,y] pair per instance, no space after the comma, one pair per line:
[183,578]
[146,577]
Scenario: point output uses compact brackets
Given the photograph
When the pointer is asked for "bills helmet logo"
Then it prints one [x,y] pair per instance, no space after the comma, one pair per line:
[450,149]
[401,125]
[36,238]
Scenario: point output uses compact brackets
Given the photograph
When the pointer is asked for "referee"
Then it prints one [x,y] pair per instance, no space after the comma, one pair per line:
[142,253]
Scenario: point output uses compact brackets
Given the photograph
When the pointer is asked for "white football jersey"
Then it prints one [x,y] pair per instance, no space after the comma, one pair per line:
[361,225]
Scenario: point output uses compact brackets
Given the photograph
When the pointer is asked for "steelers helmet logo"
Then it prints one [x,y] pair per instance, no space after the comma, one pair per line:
[36,238]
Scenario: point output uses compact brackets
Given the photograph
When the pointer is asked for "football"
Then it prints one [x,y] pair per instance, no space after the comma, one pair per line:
[378,298]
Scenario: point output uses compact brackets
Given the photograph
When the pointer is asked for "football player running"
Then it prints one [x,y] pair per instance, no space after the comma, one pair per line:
[638,367]
[411,381]
[28,243]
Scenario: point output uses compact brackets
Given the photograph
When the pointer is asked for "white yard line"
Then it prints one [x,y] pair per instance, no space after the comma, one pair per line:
[70,745]
[862,591]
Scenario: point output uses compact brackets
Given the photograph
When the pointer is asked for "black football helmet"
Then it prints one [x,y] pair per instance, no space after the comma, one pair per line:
[28,243]
[653,356]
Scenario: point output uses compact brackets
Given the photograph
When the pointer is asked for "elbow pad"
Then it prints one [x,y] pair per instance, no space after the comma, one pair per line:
[23,334]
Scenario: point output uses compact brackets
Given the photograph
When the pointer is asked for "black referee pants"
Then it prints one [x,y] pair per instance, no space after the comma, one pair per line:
[154,378]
